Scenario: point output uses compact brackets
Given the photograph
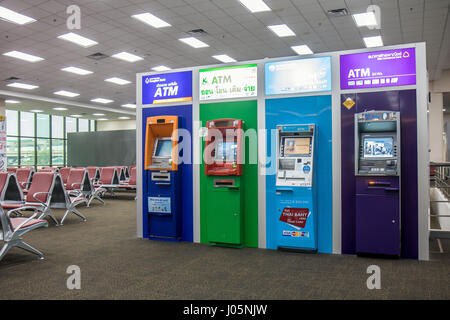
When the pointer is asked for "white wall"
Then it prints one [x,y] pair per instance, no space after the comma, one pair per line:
[116,125]
[436,118]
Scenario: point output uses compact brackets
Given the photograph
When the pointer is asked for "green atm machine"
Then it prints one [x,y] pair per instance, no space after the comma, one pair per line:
[223,168]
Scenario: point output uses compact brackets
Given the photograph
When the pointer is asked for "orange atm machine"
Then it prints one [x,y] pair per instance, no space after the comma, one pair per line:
[162,194]
[223,168]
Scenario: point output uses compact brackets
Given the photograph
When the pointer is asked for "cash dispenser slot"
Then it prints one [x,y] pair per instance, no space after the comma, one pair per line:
[222,183]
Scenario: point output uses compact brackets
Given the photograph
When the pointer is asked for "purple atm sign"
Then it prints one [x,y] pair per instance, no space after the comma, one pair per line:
[167,88]
[376,69]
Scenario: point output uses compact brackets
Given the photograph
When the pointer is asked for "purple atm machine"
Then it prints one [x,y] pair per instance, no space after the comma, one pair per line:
[377,169]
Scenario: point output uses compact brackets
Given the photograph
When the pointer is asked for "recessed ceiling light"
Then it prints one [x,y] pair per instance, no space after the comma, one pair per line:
[129,57]
[129,105]
[161,68]
[77,39]
[23,56]
[152,20]
[14,17]
[124,118]
[194,42]
[371,42]
[102,100]
[102,119]
[98,114]
[60,108]
[66,93]
[36,110]
[302,49]
[12,101]
[366,19]
[76,70]
[76,115]
[118,81]
[224,58]
[282,30]
[255,5]
[22,85]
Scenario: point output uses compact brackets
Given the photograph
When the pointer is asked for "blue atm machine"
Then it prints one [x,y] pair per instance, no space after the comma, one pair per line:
[295,192]
[163,179]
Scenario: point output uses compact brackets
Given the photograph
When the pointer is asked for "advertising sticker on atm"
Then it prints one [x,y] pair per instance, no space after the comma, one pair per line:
[295,216]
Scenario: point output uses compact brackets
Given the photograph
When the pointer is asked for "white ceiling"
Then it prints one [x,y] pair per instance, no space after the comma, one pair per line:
[231,29]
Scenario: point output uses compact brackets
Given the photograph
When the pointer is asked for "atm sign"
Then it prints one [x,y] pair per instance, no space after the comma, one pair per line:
[295,216]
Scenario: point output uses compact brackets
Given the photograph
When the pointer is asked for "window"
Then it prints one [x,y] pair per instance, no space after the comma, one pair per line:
[57,152]
[71,125]
[12,123]
[83,125]
[27,152]
[43,152]
[38,140]
[43,125]
[27,124]
[58,127]
[12,151]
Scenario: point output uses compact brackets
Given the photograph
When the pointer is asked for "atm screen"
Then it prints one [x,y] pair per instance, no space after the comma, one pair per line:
[296,146]
[163,148]
[226,151]
[378,147]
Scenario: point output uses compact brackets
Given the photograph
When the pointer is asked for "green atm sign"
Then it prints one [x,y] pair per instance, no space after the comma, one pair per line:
[228,82]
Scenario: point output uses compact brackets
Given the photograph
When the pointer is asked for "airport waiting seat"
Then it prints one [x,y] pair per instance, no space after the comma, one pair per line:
[109,179]
[24,177]
[10,189]
[64,172]
[120,172]
[11,169]
[79,183]
[131,183]
[48,169]
[38,198]
[94,173]
[13,229]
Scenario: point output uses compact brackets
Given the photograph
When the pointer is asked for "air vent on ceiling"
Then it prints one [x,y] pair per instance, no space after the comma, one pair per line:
[97,56]
[337,13]
[12,79]
[198,32]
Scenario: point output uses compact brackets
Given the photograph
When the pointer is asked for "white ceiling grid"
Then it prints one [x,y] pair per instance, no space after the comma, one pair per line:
[231,28]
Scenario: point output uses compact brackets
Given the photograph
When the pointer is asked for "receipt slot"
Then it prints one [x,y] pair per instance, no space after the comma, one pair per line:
[223,168]
[377,169]
[163,176]
[295,188]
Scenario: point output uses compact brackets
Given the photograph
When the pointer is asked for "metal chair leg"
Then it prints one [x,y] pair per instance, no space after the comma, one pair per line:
[4,250]
[25,246]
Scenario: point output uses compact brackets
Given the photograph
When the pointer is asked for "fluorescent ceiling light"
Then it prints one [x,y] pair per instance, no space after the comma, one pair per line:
[152,20]
[98,114]
[14,17]
[102,119]
[80,40]
[36,110]
[23,56]
[76,115]
[66,93]
[366,19]
[282,30]
[129,57]
[224,58]
[22,85]
[161,68]
[118,81]
[12,101]
[373,41]
[102,100]
[255,5]
[302,49]
[129,105]
[60,108]
[76,70]
[193,42]
[123,118]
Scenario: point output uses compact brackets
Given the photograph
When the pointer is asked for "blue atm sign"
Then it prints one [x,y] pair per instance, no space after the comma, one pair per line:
[167,88]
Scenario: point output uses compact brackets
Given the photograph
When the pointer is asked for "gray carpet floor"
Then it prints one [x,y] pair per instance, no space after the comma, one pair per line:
[116,265]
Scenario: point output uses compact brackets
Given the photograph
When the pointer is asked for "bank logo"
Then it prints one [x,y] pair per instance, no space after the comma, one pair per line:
[406,54]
